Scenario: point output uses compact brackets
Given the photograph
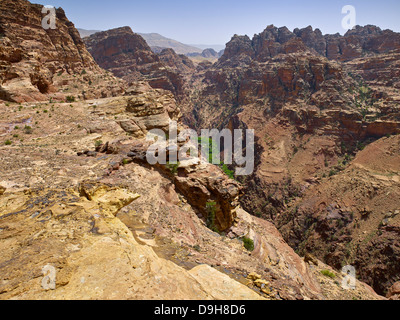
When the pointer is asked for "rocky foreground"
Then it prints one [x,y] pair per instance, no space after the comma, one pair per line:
[114,227]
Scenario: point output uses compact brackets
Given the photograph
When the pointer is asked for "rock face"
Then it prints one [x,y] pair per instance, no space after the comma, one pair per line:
[148,109]
[394,292]
[93,254]
[122,52]
[36,63]
[356,43]
[315,101]
[127,55]
[83,215]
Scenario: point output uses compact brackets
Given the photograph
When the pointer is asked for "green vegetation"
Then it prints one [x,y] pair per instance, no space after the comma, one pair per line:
[332,173]
[211,208]
[212,147]
[228,172]
[8,143]
[98,143]
[211,159]
[173,167]
[70,99]
[28,130]
[248,244]
[360,146]
[364,99]
[328,274]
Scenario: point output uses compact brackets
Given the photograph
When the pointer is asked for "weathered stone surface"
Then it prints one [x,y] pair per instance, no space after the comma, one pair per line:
[207,184]
[36,63]
[226,288]
[127,55]
[95,257]
[148,109]
[394,292]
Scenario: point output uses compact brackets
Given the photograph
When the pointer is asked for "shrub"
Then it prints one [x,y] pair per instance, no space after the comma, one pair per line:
[332,173]
[98,143]
[248,244]
[360,146]
[70,99]
[228,172]
[211,208]
[173,167]
[8,143]
[328,274]
[28,130]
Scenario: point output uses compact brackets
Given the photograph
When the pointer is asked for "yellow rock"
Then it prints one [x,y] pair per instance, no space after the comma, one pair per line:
[261,283]
[220,286]
[110,200]
[253,276]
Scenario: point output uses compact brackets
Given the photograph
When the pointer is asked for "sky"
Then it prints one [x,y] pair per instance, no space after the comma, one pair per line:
[216,21]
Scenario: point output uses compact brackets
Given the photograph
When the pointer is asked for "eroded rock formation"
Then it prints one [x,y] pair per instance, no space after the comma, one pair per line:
[39,64]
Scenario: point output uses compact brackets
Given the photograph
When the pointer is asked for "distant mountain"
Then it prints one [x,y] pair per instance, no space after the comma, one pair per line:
[157,40]
[157,43]
[208,54]
[86,33]
[216,47]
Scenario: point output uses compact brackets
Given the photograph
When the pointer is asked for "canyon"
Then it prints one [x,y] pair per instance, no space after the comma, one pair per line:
[77,193]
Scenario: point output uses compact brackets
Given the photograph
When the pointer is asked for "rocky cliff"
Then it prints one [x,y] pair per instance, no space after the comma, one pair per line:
[37,64]
[315,101]
[128,56]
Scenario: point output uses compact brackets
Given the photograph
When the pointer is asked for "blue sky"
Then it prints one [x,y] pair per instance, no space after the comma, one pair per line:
[216,21]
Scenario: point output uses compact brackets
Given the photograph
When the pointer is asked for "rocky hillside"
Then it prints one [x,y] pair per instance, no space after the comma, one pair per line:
[155,40]
[39,64]
[315,102]
[128,56]
[77,196]
[83,215]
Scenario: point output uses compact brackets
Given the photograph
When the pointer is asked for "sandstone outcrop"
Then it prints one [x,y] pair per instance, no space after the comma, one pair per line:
[127,55]
[394,292]
[39,64]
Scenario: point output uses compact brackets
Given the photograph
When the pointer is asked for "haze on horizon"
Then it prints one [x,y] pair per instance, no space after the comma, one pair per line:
[216,21]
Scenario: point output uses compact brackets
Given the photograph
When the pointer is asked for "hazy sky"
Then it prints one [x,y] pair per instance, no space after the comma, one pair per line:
[216,21]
